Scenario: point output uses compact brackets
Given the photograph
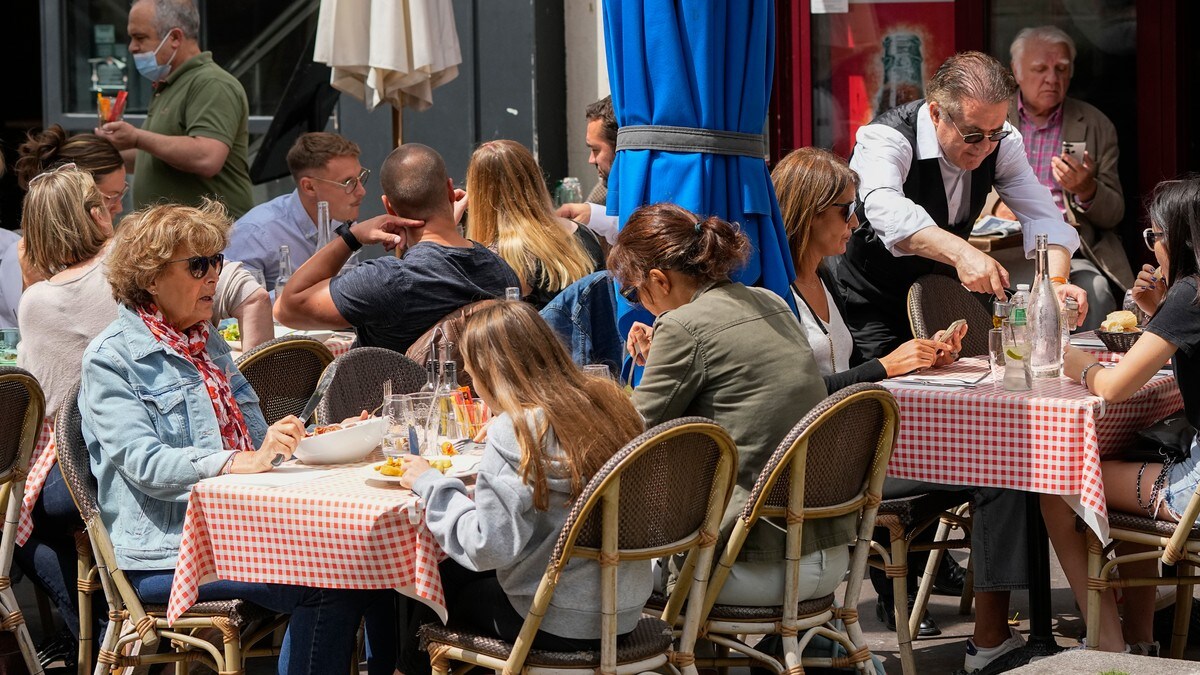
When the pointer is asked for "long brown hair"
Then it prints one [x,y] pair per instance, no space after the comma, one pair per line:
[669,237]
[46,149]
[808,181]
[512,213]
[513,355]
[57,220]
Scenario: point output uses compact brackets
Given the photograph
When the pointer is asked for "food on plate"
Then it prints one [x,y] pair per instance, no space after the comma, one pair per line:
[1122,321]
[391,467]
[441,464]
[317,431]
[448,448]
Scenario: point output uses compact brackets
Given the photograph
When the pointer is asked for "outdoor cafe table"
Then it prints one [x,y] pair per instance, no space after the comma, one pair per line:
[323,527]
[1049,440]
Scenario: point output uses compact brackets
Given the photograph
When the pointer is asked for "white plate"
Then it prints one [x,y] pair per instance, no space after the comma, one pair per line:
[460,466]
[351,443]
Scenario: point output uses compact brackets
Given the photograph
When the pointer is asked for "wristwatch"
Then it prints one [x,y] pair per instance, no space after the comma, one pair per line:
[347,236]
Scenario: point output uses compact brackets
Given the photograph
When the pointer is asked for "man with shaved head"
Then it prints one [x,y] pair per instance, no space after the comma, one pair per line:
[391,301]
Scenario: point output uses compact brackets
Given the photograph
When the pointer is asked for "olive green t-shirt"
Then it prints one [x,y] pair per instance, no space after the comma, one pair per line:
[198,99]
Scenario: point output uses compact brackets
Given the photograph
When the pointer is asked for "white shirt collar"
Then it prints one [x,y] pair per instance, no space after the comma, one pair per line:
[927,142]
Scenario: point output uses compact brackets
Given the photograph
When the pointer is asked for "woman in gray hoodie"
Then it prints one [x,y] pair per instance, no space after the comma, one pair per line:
[554,428]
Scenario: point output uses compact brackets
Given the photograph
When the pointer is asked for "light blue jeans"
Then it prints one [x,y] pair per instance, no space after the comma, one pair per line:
[1182,481]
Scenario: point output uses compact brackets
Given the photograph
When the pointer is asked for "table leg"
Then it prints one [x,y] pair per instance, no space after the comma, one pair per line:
[1040,641]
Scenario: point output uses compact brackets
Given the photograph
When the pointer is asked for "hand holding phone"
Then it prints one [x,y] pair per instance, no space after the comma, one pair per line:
[1074,150]
[951,330]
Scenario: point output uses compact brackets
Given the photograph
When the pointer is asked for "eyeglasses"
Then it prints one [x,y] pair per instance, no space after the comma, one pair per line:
[630,293]
[198,264]
[350,184]
[69,166]
[1151,237]
[850,209]
[116,197]
[973,138]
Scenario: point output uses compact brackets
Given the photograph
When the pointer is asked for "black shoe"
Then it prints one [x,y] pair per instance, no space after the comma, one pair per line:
[950,577]
[62,647]
[886,613]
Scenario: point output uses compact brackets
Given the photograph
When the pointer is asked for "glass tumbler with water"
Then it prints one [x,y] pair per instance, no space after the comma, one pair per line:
[996,354]
[1018,348]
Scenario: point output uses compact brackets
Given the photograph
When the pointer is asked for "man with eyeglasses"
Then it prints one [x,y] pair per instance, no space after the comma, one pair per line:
[325,168]
[194,141]
[925,169]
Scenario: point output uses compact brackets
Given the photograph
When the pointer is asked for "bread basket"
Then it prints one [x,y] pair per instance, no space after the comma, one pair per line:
[1119,342]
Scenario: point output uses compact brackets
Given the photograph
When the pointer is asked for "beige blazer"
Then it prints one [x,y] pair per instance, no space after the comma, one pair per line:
[1097,224]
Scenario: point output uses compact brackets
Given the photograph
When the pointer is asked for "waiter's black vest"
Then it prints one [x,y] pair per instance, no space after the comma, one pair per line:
[874,281]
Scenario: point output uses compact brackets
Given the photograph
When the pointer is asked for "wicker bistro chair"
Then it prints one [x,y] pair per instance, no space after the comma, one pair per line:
[1174,543]
[661,494]
[831,464]
[22,407]
[936,300]
[354,381]
[284,373]
[240,623]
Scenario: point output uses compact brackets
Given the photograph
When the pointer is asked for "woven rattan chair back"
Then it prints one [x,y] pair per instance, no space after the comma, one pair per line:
[22,407]
[660,505]
[355,381]
[284,373]
[73,456]
[935,301]
[845,436]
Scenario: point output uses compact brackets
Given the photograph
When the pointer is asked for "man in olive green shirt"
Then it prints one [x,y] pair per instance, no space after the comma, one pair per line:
[193,143]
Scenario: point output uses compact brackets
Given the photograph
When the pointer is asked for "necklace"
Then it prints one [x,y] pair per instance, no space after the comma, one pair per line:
[819,322]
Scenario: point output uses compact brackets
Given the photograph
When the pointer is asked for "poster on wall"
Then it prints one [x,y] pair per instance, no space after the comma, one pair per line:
[882,54]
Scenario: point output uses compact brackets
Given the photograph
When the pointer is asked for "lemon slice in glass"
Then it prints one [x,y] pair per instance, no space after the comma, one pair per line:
[1016,356]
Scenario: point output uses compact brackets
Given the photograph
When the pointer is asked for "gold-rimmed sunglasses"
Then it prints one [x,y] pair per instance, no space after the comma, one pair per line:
[350,184]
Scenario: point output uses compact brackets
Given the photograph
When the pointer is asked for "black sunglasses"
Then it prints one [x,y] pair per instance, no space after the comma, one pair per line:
[630,293]
[976,137]
[198,264]
[850,208]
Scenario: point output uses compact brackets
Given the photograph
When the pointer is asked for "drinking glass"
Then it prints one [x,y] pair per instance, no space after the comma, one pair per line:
[419,413]
[1018,372]
[597,370]
[996,354]
[471,416]
[9,337]
[395,438]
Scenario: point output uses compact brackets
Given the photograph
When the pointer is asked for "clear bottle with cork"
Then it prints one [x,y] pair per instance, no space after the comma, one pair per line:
[285,268]
[1045,317]
[324,225]
[447,386]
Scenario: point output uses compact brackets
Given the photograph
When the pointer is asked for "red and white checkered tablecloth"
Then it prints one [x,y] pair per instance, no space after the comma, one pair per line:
[335,530]
[1047,440]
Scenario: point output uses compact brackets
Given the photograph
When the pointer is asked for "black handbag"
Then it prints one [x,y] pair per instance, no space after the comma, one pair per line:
[1168,440]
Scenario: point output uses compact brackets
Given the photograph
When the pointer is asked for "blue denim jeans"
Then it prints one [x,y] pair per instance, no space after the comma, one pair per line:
[321,632]
[49,555]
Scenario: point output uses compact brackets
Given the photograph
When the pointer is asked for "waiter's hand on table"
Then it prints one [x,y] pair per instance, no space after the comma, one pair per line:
[1064,291]
[280,442]
[638,342]
[980,273]
[1149,289]
[414,466]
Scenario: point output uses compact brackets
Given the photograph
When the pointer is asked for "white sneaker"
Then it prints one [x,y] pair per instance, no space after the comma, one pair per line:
[978,658]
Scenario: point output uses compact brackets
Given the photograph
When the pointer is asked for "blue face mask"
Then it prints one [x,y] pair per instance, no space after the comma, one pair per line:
[147,63]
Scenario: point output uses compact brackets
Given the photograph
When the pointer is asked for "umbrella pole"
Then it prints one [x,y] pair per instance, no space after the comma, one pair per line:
[397,127]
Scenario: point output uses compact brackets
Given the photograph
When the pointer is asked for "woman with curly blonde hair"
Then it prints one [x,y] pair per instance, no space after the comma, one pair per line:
[511,213]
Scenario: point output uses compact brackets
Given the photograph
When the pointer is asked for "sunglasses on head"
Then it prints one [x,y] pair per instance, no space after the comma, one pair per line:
[198,264]
[630,293]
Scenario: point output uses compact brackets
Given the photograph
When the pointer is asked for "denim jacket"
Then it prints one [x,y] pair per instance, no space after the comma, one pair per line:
[584,314]
[152,434]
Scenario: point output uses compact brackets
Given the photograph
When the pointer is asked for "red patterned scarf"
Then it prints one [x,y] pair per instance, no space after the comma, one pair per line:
[191,345]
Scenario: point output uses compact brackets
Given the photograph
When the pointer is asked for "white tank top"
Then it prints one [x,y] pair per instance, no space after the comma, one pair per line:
[831,342]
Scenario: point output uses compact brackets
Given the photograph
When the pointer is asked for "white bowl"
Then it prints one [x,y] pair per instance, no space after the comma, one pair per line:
[350,444]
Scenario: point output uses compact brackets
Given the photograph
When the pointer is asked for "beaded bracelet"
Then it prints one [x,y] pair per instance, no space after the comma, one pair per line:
[1084,373]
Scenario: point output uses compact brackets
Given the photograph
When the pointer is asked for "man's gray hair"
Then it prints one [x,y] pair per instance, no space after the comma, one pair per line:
[181,14]
[1051,35]
[970,75]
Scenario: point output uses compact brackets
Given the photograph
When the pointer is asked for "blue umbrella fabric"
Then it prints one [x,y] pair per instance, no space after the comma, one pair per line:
[702,64]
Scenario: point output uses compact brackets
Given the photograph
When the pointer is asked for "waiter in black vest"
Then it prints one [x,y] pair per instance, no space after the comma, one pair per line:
[925,169]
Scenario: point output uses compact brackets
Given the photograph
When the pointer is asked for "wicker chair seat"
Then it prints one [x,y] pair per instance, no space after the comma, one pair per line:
[905,512]
[239,612]
[651,637]
[658,602]
[1129,521]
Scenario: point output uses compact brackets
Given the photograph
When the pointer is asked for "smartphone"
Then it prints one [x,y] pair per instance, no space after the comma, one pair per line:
[1074,150]
[953,327]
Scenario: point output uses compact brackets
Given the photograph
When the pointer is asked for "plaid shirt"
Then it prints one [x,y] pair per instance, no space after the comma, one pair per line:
[1042,143]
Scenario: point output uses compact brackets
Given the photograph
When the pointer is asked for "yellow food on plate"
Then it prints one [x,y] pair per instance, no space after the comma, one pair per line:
[441,464]
[1122,321]
[391,467]
[448,448]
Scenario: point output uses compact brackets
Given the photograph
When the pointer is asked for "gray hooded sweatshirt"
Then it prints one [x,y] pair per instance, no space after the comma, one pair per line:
[501,530]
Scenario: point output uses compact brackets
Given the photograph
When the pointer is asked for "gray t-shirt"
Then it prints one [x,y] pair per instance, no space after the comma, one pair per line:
[392,301]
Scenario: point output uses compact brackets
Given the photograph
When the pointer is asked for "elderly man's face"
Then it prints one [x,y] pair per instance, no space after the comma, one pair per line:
[143,37]
[1044,73]
[973,117]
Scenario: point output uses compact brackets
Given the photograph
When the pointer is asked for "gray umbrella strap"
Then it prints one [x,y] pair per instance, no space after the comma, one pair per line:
[688,139]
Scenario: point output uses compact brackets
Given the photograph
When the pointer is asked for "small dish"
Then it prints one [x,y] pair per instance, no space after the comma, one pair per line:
[351,443]
[1119,341]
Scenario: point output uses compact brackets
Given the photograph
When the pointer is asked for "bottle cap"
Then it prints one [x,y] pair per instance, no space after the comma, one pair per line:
[1022,287]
